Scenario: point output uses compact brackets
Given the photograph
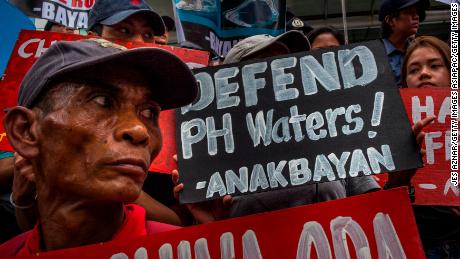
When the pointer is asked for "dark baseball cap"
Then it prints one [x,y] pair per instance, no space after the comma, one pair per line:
[391,6]
[169,23]
[299,25]
[109,12]
[98,59]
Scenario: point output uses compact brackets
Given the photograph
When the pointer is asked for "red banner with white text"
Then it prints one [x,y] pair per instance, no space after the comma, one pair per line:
[374,225]
[432,182]
[31,44]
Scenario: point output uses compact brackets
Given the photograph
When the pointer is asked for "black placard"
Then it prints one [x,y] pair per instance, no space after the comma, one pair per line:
[290,120]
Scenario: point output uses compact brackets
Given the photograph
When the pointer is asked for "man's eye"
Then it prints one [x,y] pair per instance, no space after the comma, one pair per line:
[151,113]
[102,100]
[148,35]
[124,30]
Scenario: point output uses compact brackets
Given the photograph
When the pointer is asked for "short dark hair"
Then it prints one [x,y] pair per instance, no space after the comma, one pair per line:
[327,29]
[97,28]
[49,25]
[386,28]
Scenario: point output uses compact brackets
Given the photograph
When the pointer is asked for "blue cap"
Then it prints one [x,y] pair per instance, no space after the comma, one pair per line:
[391,6]
[108,12]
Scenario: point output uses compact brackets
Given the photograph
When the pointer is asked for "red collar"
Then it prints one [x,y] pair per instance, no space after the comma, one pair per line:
[133,225]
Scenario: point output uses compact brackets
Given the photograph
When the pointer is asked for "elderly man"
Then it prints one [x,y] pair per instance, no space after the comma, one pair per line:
[127,20]
[88,125]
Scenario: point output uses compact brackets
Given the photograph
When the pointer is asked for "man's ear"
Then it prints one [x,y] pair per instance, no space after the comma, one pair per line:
[21,129]
[389,20]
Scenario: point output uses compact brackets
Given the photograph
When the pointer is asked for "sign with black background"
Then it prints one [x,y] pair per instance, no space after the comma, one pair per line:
[290,120]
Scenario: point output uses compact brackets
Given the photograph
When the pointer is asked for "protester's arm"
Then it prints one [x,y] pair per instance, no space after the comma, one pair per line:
[6,174]
[403,178]
[24,194]
[156,211]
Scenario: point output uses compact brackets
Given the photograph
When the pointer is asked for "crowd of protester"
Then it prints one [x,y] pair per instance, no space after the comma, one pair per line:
[57,190]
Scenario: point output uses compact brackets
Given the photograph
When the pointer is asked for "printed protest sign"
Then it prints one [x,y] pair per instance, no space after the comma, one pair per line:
[70,13]
[31,44]
[376,227]
[432,182]
[218,25]
[291,120]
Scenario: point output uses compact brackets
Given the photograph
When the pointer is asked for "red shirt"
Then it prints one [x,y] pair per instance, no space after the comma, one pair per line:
[133,225]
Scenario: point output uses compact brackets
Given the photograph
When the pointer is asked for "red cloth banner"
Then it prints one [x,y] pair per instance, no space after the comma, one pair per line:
[375,225]
[432,182]
[31,44]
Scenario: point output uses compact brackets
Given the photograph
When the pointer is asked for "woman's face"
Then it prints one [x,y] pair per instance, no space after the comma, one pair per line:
[426,68]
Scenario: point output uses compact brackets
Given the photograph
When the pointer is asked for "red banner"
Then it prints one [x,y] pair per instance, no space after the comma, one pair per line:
[375,225]
[31,44]
[432,182]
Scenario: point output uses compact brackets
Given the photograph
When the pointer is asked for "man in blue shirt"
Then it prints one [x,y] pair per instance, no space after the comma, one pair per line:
[400,21]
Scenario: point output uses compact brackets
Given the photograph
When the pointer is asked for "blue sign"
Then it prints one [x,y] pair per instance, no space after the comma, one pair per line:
[12,21]
[216,26]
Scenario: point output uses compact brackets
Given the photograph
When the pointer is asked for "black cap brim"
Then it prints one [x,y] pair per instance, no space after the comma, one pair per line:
[295,40]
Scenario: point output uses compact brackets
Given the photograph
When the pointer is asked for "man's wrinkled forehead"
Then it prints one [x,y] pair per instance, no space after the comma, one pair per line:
[120,86]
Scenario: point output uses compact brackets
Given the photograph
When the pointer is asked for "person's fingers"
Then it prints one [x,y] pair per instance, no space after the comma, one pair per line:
[177,189]
[423,152]
[175,157]
[419,125]
[227,200]
[420,137]
[175,176]
[19,162]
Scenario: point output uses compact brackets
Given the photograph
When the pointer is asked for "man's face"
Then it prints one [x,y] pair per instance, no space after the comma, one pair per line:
[406,23]
[135,28]
[99,141]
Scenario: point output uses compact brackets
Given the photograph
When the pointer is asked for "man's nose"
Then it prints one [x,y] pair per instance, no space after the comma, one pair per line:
[137,37]
[133,131]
